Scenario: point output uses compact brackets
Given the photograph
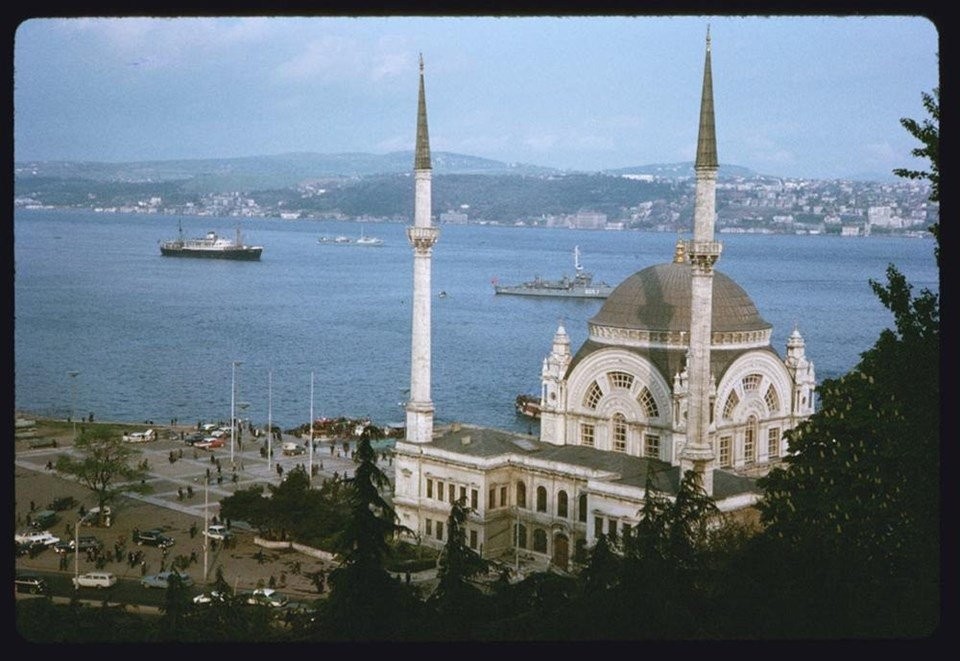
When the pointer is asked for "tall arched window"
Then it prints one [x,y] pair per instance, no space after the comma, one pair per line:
[541,499]
[540,540]
[562,504]
[592,398]
[582,508]
[521,494]
[750,441]
[619,432]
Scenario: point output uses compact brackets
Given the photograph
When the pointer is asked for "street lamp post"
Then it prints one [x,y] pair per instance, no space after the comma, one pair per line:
[243,407]
[73,400]
[206,503]
[233,404]
[76,555]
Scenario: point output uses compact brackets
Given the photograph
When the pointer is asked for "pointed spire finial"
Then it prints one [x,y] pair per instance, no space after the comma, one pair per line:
[421,159]
[421,54]
[707,140]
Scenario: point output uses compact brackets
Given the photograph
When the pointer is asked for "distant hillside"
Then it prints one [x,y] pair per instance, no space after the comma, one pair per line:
[265,172]
[679,170]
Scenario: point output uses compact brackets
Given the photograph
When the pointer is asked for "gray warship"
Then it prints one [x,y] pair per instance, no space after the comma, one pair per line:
[581,285]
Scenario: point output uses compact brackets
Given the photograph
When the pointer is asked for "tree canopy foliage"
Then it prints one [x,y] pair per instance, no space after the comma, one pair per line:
[103,464]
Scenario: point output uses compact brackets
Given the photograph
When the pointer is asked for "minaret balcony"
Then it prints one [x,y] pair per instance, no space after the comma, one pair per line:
[422,238]
[703,253]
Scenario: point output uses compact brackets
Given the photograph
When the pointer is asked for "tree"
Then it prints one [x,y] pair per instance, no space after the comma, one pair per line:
[456,602]
[104,465]
[856,507]
[365,602]
[928,133]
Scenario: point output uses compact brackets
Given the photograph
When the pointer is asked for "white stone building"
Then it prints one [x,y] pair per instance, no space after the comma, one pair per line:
[677,374]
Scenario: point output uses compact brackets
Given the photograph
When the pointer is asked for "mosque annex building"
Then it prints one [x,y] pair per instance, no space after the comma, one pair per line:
[677,374]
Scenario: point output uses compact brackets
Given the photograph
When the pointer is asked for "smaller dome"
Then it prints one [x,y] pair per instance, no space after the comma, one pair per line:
[658,299]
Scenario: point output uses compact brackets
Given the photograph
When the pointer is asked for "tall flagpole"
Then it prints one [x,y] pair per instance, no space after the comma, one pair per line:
[310,449]
[206,527]
[270,420]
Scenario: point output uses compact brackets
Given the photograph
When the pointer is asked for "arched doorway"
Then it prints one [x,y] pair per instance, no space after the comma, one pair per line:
[561,551]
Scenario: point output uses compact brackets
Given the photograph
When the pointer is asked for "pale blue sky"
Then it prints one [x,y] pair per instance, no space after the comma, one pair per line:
[795,96]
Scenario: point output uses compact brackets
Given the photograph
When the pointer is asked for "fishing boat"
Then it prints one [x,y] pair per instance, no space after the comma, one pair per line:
[581,285]
[210,246]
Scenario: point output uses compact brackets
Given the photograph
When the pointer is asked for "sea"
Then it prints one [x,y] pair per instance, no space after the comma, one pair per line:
[106,326]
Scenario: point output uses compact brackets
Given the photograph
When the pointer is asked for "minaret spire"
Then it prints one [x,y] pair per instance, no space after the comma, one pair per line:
[702,254]
[421,159]
[707,140]
[422,236]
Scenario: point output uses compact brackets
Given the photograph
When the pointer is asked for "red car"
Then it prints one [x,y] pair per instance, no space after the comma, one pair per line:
[209,443]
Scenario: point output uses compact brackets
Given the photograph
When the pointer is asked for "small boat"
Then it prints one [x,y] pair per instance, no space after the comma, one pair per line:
[343,240]
[528,405]
[210,246]
[368,240]
[581,285]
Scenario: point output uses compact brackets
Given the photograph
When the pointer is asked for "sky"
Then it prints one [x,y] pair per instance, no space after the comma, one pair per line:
[796,96]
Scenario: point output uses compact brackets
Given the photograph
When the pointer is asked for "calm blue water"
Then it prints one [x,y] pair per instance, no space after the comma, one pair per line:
[153,337]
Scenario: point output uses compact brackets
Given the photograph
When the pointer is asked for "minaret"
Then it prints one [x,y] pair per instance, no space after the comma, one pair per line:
[422,236]
[702,253]
[553,395]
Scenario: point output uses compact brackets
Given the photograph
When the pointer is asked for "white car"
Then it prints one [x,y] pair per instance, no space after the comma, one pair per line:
[209,598]
[217,532]
[95,579]
[267,597]
[44,537]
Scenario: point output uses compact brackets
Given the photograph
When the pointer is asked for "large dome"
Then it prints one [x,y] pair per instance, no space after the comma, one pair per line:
[658,299]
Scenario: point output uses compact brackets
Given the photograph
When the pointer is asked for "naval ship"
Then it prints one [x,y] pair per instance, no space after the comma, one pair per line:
[581,285]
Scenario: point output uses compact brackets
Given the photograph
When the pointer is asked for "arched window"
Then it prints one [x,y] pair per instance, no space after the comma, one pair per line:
[521,494]
[773,402]
[592,398]
[540,540]
[750,441]
[620,380]
[649,404]
[562,504]
[619,432]
[582,508]
[730,405]
[541,499]
[751,382]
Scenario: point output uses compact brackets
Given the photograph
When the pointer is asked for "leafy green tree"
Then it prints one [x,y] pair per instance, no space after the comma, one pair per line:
[928,133]
[104,465]
[856,507]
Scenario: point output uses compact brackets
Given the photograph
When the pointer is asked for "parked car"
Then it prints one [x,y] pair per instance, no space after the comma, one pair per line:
[292,449]
[162,580]
[267,597]
[44,519]
[30,583]
[209,443]
[87,543]
[153,537]
[95,579]
[44,537]
[195,437]
[92,517]
[218,532]
[209,598]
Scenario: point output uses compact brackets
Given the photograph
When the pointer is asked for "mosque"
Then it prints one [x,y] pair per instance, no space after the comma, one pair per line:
[677,374]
